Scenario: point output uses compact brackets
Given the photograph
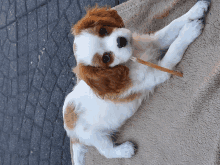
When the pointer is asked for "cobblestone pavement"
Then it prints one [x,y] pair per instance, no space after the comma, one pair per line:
[35,76]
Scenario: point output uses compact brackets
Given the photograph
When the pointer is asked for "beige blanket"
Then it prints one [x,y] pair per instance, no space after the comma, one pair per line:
[180,122]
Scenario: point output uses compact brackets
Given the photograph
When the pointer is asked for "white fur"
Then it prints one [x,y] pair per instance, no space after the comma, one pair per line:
[97,117]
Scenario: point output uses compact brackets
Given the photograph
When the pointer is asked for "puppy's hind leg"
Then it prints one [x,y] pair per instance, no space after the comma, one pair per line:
[77,151]
[168,34]
[105,146]
[187,35]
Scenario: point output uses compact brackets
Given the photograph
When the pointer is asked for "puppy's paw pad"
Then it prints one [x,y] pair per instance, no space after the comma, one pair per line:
[126,150]
[198,10]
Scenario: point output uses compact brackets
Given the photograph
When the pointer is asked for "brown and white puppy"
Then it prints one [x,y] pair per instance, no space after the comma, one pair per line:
[111,86]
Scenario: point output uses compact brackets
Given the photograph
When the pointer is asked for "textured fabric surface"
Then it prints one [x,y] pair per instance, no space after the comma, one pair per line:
[180,122]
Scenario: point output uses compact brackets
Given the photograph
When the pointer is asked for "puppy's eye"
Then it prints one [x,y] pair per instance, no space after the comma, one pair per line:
[106,58]
[103,31]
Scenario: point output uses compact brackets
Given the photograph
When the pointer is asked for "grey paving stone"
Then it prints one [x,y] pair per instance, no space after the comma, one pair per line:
[39,116]
[1,121]
[32,20]
[5,5]
[26,128]
[33,96]
[58,134]
[44,62]
[32,41]
[73,12]
[17,121]
[65,78]
[7,158]
[4,141]
[7,127]
[55,156]
[104,3]
[44,162]
[44,98]
[45,148]
[51,27]
[33,60]
[23,63]
[57,96]
[35,139]
[22,45]
[42,16]
[3,35]
[22,98]
[1,79]
[7,87]
[23,148]
[56,65]
[122,1]
[1,156]
[13,69]
[64,51]
[50,80]
[52,112]
[22,26]
[42,37]
[12,32]
[13,141]
[41,2]
[6,47]
[34,158]
[61,30]
[12,55]
[63,4]
[31,4]
[15,159]
[24,161]
[47,128]
[38,79]
[83,4]
[51,47]
[11,13]
[3,100]
[5,67]
[12,108]
[3,19]
[20,8]
[23,83]
[52,11]
[29,110]
[14,87]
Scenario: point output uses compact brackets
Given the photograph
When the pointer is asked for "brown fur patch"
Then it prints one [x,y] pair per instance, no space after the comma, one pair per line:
[125,99]
[70,117]
[105,82]
[74,140]
[97,18]
[98,62]
[74,47]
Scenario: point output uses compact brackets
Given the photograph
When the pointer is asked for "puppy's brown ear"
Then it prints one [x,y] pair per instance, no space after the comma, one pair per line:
[109,81]
[98,16]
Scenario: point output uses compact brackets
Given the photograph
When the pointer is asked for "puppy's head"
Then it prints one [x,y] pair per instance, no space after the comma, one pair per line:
[102,46]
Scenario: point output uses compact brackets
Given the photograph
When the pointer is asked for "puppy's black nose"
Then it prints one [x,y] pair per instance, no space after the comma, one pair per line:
[122,42]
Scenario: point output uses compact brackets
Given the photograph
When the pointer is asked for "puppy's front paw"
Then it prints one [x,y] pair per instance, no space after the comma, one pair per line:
[125,150]
[198,10]
[191,31]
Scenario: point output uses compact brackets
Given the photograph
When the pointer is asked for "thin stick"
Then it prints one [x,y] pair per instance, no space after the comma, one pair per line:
[157,67]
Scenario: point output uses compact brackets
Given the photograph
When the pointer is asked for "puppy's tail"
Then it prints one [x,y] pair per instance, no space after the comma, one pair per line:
[77,151]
